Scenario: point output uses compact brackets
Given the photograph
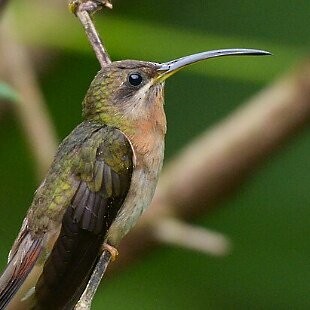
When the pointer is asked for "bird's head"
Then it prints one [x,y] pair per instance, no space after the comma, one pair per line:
[125,93]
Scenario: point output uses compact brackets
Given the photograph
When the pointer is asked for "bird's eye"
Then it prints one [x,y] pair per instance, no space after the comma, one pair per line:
[135,79]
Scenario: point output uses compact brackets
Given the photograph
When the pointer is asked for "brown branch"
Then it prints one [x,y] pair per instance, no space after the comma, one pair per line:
[221,159]
[31,110]
[175,232]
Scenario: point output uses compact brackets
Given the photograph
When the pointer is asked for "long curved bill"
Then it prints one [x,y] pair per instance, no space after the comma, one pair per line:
[167,69]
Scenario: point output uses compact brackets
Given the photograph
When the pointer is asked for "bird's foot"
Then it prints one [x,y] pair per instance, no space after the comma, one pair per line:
[113,251]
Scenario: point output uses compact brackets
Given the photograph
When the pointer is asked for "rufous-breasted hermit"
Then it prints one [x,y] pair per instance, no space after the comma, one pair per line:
[102,178]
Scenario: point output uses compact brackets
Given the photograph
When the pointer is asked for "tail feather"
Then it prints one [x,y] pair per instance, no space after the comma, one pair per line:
[19,266]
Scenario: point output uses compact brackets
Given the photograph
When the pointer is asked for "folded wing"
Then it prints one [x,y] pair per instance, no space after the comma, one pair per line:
[99,196]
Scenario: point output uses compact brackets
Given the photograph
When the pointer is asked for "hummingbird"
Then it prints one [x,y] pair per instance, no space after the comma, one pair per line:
[103,177]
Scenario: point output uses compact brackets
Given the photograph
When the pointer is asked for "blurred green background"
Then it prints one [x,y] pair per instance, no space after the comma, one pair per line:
[268,220]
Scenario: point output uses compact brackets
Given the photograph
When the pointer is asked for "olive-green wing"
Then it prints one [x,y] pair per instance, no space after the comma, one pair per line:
[103,185]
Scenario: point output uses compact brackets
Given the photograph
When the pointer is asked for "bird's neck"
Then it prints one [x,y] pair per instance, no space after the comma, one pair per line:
[145,130]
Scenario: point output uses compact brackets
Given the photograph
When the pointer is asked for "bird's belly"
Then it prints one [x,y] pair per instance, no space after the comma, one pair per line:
[139,197]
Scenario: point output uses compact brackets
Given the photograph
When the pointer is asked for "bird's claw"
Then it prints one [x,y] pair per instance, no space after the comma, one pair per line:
[113,251]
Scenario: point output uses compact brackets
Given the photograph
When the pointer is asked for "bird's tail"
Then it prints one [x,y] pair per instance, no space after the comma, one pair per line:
[23,257]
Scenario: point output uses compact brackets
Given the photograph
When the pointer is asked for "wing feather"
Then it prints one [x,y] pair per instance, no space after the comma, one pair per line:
[20,264]
[89,181]
[93,208]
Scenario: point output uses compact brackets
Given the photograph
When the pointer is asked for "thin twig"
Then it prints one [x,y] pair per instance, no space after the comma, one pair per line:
[82,10]
[92,286]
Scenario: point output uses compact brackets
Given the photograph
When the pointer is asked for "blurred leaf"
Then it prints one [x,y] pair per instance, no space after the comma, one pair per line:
[8,93]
